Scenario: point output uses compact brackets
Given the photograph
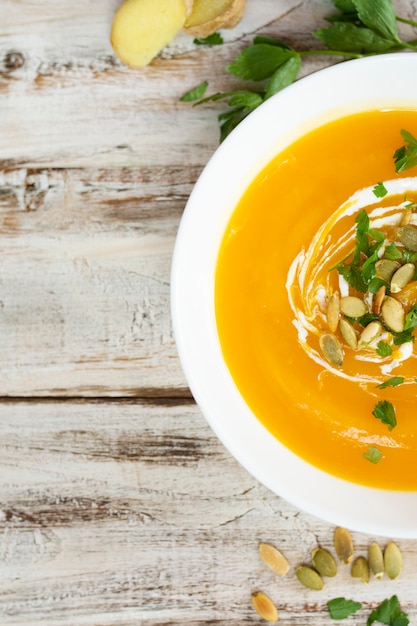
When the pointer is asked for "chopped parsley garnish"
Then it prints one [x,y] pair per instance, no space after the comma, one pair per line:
[380,190]
[196,93]
[392,382]
[340,608]
[406,157]
[392,252]
[215,39]
[385,412]
[383,349]
[373,454]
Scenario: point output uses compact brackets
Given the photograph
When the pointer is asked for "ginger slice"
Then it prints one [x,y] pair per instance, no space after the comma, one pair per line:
[208,16]
[141,28]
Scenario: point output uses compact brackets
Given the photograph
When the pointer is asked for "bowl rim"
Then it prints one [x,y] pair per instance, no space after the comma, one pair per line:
[335,91]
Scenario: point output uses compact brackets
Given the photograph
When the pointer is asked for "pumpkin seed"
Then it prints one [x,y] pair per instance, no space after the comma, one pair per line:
[360,569]
[352,306]
[348,333]
[333,311]
[274,559]
[324,562]
[406,216]
[331,348]
[393,314]
[393,560]
[369,333]
[376,560]
[309,577]
[378,300]
[343,545]
[402,277]
[407,235]
[385,268]
[264,606]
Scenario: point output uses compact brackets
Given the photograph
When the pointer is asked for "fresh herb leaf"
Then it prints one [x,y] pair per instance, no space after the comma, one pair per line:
[383,349]
[392,252]
[340,608]
[196,93]
[392,382]
[405,157]
[409,256]
[284,75]
[367,319]
[373,454]
[349,37]
[389,613]
[379,16]
[215,39]
[404,337]
[385,412]
[411,318]
[380,190]
[375,284]
[259,61]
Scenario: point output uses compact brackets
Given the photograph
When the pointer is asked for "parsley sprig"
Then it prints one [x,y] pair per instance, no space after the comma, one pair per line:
[360,28]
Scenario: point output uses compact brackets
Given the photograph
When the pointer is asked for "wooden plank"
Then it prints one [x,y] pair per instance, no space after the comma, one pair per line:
[133,513]
[85,281]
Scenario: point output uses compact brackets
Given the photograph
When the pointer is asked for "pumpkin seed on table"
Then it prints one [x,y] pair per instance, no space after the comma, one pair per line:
[360,569]
[309,577]
[369,334]
[393,560]
[333,311]
[352,306]
[402,277]
[376,560]
[348,333]
[324,562]
[343,545]
[331,348]
[264,606]
[274,559]
[393,314]
[407,235]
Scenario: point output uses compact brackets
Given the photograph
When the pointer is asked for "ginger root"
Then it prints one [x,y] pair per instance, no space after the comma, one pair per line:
[208,16]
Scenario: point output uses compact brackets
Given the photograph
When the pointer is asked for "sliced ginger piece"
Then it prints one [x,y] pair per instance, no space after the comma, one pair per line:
[141,28]
[208,16]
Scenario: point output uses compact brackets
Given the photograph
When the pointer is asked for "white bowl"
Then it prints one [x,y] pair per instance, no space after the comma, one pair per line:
[369,83]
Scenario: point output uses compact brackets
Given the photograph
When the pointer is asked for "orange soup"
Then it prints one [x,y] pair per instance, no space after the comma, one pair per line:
[309,231]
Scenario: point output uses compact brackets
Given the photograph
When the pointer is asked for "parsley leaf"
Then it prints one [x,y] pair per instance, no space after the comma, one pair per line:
[392,382]
[383,349]
[373,455]
[379,15]
[215,39]
[392,252]
[406,157]
[259,61]
[350,37]
[389,613]
[340,608]
[380,190]
[385,412]
[411,318]
[196,93]
[284,75]
[404,337]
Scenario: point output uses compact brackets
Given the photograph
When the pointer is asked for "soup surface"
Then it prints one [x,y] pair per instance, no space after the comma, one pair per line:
[290,245]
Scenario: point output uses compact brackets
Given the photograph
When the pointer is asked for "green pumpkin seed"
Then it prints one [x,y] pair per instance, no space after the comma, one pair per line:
[351,306]
[332,349]
[360,569]
[385,268]
[348,333]
[402,277]
[407,235]
[393,314]
[393,560]
[309,577]
[343,545]
[324,562]
[376,560]
[369,334]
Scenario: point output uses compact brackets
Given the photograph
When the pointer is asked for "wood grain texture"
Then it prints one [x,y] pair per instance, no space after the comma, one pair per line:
[120,513]
[118,505]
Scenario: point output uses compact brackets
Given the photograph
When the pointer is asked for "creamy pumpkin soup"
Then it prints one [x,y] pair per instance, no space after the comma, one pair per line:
[316,299]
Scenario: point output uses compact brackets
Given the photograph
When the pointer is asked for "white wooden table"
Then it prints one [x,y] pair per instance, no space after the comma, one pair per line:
[118,506]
